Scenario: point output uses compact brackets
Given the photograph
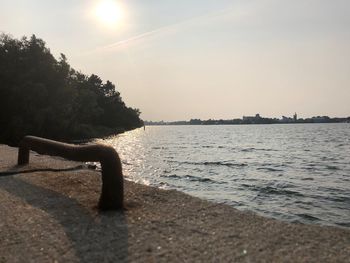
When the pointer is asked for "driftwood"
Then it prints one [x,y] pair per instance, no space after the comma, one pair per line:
[112,193]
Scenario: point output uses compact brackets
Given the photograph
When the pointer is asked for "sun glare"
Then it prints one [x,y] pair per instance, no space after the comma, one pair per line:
[109,12]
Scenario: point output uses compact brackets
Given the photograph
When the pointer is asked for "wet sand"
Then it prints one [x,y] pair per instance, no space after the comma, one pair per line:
[51,216]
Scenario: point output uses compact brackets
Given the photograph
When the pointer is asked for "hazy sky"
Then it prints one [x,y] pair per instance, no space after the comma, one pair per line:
[176,60]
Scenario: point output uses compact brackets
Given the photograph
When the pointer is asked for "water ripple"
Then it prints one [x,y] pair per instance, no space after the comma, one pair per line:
[299,173]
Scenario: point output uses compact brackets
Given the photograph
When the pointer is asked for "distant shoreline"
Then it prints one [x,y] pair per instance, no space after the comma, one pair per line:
[257,119]
[234,124]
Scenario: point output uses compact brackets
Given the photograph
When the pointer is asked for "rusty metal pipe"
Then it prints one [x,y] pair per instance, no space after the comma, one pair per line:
[112,194]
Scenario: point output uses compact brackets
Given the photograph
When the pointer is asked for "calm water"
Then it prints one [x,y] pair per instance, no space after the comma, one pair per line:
[299,173]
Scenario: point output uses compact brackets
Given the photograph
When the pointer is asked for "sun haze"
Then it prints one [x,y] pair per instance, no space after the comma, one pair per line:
[108,12]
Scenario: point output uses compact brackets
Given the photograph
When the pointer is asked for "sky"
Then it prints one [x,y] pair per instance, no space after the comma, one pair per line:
[219,59]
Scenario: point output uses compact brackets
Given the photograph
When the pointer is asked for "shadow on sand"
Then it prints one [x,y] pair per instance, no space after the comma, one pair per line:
[93,236]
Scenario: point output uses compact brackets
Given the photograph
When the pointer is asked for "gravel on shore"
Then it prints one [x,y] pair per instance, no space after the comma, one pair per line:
[51,216]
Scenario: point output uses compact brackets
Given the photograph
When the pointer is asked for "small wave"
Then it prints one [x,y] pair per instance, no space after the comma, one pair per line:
[163,185]
[343,224]
[307,179]
[331,167]
[218,163]
[251,149]
[309,168]
[173,176]
[192,178]
[159,148]
[308,217]
[326,158]
[180,147]
[198,179]
[272,190]
[269,169]
[224,164]
[341,199]
[248,150]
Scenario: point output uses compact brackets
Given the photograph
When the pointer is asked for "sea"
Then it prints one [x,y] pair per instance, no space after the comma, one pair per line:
[291,172]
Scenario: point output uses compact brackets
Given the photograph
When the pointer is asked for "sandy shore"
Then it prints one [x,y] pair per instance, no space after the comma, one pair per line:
[51,216]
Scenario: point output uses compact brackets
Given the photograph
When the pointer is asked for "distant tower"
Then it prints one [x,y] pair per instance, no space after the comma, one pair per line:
[295,117]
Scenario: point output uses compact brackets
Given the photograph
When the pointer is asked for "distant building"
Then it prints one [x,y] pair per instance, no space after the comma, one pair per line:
[252,118]
[196,121]
[257,119]
[286,119]
[320,119]
[295,117]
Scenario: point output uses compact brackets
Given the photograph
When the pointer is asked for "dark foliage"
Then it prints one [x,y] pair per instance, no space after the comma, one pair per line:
[42,96]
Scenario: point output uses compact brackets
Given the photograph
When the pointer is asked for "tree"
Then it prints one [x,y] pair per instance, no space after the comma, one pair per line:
[42,96]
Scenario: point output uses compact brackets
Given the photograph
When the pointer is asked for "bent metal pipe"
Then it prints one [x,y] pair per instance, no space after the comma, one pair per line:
[112,194]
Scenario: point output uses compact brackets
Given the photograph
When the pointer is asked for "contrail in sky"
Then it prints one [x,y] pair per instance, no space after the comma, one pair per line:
[160,30]
[138,37]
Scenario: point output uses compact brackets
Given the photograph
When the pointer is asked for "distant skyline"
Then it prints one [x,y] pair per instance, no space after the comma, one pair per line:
[177,60]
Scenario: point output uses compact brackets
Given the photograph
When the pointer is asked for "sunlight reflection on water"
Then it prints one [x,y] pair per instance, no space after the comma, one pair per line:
[290,172]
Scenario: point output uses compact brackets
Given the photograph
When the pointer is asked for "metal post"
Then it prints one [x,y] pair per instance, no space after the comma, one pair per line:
[112,193]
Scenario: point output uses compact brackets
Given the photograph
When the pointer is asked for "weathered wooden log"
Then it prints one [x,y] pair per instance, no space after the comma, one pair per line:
[112,194]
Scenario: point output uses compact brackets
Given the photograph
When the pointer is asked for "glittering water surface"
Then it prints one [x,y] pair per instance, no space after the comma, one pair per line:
[298,173]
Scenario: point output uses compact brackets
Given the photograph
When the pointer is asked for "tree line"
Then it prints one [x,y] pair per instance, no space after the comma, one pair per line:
[43,96]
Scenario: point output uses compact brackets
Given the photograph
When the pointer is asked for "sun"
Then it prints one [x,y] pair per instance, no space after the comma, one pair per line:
[109,12]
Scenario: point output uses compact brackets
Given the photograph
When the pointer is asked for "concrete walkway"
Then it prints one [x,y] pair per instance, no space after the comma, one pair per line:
[51,216]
